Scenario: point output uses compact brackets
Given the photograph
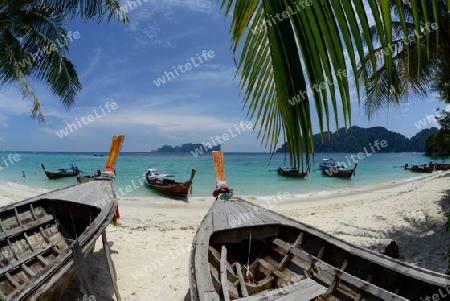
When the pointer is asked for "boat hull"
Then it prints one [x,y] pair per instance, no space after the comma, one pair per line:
[176,189]
[293,173]
[422,169]
[439,166]
[169,186]
[57,175]
[338,173]
[38,236]
[288,260]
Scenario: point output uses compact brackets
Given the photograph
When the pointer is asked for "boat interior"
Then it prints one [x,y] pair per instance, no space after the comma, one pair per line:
[271,261]
[34,234]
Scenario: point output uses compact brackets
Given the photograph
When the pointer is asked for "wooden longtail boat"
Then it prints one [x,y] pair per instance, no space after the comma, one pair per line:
[245,252]
[420,168]
[62,172]
[440,166]
[339,172]
[39,235]
[81,178]
[163,184]
[291,172]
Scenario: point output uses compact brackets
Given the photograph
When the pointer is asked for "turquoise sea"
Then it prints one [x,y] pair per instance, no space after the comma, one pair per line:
[247,173]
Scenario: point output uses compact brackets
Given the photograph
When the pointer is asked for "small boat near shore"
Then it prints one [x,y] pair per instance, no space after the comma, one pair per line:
[420,168]
[42,238]
[162,183]
[72,171]
[291,172]
[242,251]
[439,166]
[84,177]
[339,171]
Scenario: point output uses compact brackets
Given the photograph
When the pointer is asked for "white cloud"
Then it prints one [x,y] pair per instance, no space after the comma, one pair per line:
[94,61]
[147,17]
[12,103]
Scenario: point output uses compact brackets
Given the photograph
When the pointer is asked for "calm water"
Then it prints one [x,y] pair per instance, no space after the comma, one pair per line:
[248,173]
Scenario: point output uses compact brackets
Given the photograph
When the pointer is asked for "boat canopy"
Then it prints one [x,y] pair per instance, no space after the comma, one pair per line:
[159,176]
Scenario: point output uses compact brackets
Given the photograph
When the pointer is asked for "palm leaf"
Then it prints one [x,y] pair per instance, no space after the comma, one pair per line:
[287,48]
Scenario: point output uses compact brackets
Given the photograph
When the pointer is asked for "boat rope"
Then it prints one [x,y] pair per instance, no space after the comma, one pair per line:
[248,258]
[73,225]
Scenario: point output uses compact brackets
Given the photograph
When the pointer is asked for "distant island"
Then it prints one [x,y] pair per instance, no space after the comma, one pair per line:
[357,138]
[197,148]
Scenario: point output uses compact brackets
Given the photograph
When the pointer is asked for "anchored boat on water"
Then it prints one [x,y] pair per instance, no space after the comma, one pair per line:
[292,172]
[242,251]
[422,168]
[72,171]
[339,171]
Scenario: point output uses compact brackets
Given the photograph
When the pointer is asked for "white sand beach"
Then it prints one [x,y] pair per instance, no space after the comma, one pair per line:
[150,247]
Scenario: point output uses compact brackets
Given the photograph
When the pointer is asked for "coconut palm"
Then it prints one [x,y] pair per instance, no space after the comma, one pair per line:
[293,55]
[34,42]
[416,70]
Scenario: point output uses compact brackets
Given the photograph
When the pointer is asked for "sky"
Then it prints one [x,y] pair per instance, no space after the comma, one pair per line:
[121,68]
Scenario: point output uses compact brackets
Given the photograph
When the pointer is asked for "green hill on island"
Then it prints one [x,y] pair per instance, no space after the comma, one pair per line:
[357,138]
[188,147]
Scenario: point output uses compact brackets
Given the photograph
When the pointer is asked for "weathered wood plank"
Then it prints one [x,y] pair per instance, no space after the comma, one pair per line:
[25,259]
[241,280]
[12,280]
[2,296]
[203,282]
[27,271]
[244,213]
[210,296]
[274,271]
[305,294]
[81,269]
[16,214]
[262,213]
[243,216]
[220,221]
[288,257]
[223,273]
[343,276]
[277,294]
[110,263]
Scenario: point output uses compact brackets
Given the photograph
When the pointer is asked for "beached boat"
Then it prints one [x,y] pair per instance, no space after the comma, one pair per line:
[291,172]
[420,168]
[163,184]
[41,237]
[242,251]
[72,171]
[339,171]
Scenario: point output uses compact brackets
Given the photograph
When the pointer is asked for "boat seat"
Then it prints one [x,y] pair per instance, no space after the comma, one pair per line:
[168,181]
[305,290]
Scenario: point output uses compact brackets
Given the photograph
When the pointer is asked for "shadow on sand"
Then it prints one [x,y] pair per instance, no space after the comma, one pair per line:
[422,239]
[98,275]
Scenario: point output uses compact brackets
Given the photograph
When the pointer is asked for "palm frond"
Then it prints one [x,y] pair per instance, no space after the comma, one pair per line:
[87,9]
[31,47]
[293,53]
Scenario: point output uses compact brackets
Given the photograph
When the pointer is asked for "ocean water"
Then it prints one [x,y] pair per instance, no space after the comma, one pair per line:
[249,174]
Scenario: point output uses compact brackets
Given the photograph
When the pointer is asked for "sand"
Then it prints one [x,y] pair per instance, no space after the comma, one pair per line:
[150,247]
